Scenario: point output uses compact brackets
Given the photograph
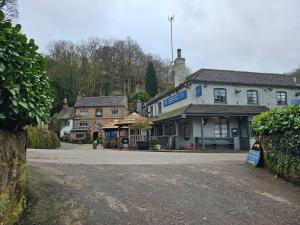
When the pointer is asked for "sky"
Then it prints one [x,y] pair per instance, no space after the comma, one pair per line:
[248,35]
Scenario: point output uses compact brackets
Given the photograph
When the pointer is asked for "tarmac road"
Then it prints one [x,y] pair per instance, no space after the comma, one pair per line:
[210,189]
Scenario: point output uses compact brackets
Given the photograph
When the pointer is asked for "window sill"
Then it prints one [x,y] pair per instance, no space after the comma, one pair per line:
[220,102]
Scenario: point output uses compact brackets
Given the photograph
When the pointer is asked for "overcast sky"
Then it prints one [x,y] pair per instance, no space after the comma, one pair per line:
[251,35]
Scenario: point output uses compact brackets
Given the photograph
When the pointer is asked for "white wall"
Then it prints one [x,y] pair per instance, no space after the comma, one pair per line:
[66,129]
[266,97]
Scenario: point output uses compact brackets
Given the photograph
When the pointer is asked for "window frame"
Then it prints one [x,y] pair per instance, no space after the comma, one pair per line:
[199,91]
[252,97]
[98,109]
[114,112]
[151,109]
[82,135]
[159,107]
[83,122]
[186,127]
[218,90]
[280,93]
[84,112]
[218,122]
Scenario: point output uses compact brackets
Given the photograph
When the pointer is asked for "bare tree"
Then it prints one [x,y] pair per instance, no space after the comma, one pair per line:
[10,8]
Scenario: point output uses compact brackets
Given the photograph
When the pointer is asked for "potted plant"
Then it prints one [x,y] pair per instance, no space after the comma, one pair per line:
[155,145]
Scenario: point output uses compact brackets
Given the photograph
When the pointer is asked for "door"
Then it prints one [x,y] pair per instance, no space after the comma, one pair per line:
[95,136]
[244,133]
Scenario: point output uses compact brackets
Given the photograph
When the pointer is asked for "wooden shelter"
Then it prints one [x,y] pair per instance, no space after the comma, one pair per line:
[134,127]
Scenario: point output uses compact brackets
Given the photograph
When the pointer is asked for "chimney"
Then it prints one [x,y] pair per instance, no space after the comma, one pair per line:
[78,95]
[179,69]
[65,106]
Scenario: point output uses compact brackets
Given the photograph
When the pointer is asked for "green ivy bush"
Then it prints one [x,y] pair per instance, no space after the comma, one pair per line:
[25,92]
[38,138]
[279,132]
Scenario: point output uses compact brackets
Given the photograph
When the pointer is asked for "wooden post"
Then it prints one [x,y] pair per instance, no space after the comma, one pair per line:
[202,134]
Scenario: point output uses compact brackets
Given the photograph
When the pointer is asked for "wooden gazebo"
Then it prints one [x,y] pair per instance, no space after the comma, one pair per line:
[136,126]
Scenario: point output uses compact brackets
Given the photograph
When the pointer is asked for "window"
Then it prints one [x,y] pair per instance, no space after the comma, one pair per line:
[79,135]
[151,111]
[159,108]
[84,112]
[114,111]
[220,95]
[186,131]
[199,91]
[252,97]
[66,123]
[83,123]
[281,98]
[99,112]
[221,128]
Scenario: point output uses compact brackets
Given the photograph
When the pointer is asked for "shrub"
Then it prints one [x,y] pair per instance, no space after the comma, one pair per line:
[38,138]
[25,93]
[279,131]
[153,142]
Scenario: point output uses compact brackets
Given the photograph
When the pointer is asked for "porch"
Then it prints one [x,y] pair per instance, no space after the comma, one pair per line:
[196,128]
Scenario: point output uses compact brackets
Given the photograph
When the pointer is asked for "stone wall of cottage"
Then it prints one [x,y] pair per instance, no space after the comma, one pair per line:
[12,176]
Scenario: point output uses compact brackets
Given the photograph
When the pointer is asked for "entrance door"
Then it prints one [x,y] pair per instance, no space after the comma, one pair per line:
[95,136]
[244,133]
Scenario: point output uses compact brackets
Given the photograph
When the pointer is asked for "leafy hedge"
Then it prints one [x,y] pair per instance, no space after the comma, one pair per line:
[25,93]
[279,132]
[41,139]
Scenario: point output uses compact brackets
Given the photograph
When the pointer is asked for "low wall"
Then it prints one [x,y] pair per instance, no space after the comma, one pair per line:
[12,176]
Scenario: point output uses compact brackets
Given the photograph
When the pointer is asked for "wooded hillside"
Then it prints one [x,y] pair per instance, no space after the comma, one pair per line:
[98,67]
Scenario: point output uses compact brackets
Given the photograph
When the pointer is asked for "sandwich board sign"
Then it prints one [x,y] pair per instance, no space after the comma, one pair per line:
[253,157]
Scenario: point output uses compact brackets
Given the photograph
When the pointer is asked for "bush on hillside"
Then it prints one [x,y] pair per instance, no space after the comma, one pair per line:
[279,132]
[38,138]
[25,93]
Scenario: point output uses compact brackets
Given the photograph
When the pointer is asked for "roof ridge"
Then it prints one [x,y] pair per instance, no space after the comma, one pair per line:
[243,71]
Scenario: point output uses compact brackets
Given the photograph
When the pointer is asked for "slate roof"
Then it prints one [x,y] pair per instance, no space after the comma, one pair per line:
[67,113]
[212,110]
[101,101]
[234,77]
[242,77]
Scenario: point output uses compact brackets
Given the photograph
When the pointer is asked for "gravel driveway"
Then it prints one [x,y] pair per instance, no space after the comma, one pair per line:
[133,189]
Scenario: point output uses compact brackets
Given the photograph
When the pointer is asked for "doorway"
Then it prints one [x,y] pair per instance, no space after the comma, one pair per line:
[95,136]
[244,133]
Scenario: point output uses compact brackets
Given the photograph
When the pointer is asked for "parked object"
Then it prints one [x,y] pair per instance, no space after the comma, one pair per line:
[95,144]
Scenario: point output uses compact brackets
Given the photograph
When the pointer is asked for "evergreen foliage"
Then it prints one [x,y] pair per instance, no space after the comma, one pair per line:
[143,96]
[151,80]
[38,138]
[25,93]
[280,136]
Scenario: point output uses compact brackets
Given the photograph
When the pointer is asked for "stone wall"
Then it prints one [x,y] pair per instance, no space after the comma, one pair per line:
[12,176]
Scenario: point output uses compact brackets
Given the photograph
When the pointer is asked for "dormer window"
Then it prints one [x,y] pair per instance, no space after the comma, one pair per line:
[99,112]
[220,95]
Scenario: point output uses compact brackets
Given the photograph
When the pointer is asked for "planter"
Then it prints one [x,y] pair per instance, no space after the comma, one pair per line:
[143,145]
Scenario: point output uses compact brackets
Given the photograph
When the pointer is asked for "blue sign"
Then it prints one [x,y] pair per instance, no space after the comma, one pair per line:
[253,157]
[175,98]
[295,101]
[199,91]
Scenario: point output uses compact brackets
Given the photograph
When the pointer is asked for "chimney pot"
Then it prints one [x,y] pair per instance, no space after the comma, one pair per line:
[178,53]
[65,103]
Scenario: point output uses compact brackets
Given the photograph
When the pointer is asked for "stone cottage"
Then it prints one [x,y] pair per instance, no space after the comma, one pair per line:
[92,113]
